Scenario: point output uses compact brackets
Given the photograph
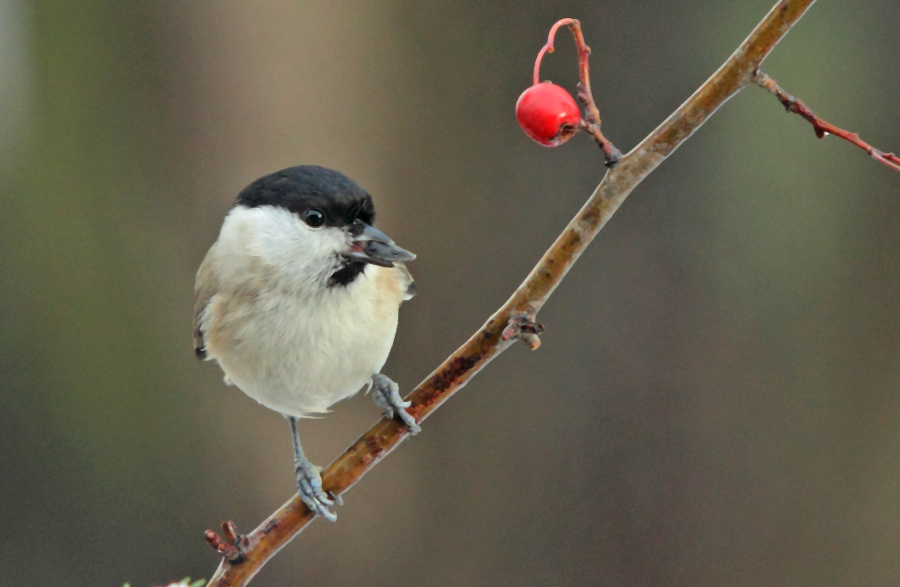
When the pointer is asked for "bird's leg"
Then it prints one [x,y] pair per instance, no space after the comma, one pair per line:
[387,397]
[309,480]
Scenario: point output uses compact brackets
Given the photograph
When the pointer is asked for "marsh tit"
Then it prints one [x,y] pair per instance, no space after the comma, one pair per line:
[297,300]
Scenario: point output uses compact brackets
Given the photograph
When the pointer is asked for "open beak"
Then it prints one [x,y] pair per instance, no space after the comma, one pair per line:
[370,245]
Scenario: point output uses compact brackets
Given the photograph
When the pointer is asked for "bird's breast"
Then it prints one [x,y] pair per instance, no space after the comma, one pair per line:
[299,353]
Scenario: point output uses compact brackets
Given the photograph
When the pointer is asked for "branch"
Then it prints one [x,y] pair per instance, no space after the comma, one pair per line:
[591,121]
[737,72]
[822,128]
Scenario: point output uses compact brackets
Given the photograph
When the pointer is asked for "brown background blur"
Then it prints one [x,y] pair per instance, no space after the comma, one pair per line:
[717,400]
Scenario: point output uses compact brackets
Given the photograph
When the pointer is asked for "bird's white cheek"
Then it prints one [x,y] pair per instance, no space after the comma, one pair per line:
[275,245]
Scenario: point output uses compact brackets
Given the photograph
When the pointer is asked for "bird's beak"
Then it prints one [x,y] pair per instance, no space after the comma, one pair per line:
[370,245]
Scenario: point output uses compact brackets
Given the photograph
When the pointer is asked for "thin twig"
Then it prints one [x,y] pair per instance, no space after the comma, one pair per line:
[591,121]
[736,73]
[822,128]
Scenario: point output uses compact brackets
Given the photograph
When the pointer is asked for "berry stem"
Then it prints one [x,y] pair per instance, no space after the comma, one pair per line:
[548,48]
[591,121]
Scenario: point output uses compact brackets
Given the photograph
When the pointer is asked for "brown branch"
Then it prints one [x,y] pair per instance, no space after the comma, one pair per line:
[822,128]
[737,72]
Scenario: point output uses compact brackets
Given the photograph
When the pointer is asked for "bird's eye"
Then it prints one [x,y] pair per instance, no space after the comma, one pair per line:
[314,218]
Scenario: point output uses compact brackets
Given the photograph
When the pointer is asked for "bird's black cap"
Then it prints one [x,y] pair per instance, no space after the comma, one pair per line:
[306,187]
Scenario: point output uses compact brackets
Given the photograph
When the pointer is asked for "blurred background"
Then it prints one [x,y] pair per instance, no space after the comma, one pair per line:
[717,399]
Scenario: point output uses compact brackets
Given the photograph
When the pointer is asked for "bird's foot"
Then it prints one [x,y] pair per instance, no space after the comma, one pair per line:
[309,484]
[387,397]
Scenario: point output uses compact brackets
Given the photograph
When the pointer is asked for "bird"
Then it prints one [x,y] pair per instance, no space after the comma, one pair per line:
[297,301]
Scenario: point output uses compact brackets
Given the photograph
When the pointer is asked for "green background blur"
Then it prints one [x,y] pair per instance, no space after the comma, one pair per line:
[717,399]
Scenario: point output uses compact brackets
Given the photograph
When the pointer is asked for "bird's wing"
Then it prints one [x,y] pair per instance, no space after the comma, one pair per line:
[206,287]
[407,281]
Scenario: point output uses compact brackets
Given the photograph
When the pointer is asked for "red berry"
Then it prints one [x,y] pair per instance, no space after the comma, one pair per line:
[548,114]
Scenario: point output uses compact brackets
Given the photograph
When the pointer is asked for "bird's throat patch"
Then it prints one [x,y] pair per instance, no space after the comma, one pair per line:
[346,274]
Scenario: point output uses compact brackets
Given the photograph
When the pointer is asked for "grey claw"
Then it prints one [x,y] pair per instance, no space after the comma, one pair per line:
[410,422]
[309,485]
[387,396]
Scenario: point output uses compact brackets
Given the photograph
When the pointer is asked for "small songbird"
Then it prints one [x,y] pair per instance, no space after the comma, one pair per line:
[297,300]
